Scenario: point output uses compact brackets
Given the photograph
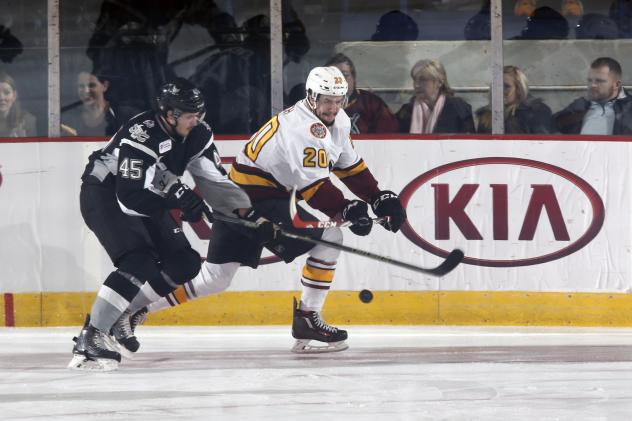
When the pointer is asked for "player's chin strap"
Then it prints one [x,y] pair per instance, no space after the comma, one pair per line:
[451,261]
[297,222]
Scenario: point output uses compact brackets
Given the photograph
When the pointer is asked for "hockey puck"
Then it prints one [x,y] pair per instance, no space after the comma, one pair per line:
[365,296]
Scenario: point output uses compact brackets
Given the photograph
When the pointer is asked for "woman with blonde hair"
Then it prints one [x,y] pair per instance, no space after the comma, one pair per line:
[14,122]
[434,108]
[523,113]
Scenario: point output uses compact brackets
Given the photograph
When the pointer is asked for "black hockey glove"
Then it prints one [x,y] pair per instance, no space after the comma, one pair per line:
[266,233]
[191,205]
[357,212]
[387,203]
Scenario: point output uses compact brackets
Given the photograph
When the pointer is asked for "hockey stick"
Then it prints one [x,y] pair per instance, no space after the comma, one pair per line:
[454,258]
[297,222]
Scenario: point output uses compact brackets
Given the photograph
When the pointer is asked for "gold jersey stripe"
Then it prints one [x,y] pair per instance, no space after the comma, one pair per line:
[348,172]
[311,191]
[245,179]
[316,274]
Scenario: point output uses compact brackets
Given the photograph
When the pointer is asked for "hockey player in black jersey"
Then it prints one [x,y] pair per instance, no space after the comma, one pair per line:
[128,189]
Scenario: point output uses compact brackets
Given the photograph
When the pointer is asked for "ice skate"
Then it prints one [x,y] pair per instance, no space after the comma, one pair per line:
[308,326]
[122,332]
[90,351]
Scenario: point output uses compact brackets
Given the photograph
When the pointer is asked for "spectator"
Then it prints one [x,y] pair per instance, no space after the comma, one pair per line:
[596,26]
[367,111]
[524,7]
[545,23]
[395,26]
[10,46]
[434,108]
[14,122]
[95,116]
[572,8]
[523,113]
[130,45]
[606,109]
[478,27]
[237,78]
[621,13]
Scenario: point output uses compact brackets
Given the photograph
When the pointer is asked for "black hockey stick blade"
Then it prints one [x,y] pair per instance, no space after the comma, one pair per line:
[455,257]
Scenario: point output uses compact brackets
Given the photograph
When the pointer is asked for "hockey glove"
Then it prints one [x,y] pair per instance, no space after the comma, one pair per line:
[163,178]
[357,212]
[387,203]
[191,205]
[266,233]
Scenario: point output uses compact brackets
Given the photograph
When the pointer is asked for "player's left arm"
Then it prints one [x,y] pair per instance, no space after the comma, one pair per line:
[212,181]
[354,173]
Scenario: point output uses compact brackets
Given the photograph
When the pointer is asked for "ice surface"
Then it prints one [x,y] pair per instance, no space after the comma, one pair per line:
[388,373]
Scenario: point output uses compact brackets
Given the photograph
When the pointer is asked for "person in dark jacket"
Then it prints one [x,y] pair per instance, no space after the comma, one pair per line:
[605,110]
[367,111]
[523,113]
[434,108]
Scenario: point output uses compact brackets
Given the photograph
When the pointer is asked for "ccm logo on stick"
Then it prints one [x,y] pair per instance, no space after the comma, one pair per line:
[505,211]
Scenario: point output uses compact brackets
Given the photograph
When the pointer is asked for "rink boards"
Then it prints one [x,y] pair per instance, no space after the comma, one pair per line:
[544,223]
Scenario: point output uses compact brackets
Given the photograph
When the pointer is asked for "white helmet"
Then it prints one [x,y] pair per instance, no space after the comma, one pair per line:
[325,81]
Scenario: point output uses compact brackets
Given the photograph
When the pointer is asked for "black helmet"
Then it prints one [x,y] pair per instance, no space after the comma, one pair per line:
[180,96]
[596,26]
[545,23]
[396,26]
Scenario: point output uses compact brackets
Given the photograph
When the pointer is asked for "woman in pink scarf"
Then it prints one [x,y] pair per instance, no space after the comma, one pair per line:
[434,108]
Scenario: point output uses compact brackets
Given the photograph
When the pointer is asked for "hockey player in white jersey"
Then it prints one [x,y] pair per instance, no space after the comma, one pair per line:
[300,147]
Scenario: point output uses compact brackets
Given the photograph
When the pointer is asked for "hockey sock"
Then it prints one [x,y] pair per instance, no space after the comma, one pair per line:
[112,300]
[316,280]
[145,296]
[213,278]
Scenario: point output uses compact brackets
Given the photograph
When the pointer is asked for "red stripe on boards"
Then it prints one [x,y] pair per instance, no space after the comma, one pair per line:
[9,316]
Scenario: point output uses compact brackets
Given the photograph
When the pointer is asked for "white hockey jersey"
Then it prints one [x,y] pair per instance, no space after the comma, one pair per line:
[295,149]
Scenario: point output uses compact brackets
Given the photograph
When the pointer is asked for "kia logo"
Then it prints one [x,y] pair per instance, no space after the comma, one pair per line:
[508,209]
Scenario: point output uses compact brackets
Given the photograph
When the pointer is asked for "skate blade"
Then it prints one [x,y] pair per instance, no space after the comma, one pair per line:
[114,345]
[82,363]
[304,346]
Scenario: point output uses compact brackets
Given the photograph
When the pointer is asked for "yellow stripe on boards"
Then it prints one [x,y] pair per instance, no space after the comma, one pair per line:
[344,308]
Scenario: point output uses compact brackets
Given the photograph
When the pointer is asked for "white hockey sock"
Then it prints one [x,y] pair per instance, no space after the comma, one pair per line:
[318,272]
[212,279]
[315,282]
[145,296]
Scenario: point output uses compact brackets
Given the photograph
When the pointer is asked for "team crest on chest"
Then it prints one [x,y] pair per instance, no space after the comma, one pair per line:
[318,130]
[137,132]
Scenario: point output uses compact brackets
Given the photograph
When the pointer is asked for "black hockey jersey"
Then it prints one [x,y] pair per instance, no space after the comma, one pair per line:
[128,162]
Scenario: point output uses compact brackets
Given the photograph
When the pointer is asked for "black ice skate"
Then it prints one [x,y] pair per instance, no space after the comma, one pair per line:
[308,326]
[123,332]
[90,351]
